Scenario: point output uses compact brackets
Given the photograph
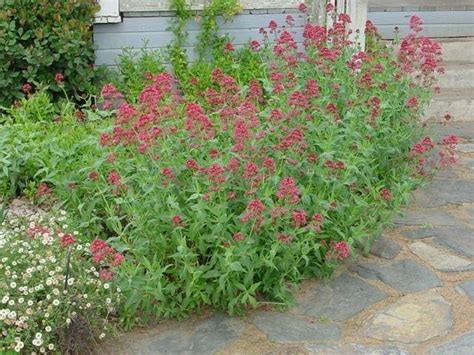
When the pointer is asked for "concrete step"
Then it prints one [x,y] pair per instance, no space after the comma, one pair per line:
[457,49]
[458,75]
[459,103]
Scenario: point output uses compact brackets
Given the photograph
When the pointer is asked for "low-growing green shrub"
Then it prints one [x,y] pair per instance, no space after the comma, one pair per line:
[42,141]
[58,293]
[212,50]
[242,64]
[133,67]
[230,200]
[45,41]
[136,69]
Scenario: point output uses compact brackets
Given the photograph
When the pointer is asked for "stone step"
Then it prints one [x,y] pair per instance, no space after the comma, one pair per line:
[458,75]
[457,49]
[459,103]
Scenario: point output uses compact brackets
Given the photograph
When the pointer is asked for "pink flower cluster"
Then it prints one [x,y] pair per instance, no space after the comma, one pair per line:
[338,251]
[446,153]
[287,190]
[419,53]
[106,257]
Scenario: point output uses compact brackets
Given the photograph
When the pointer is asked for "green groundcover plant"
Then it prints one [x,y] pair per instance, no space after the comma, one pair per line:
[58,293]
[232,195]
[46,141]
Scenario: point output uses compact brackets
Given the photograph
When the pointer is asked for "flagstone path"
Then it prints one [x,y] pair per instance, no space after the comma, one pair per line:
[413,295]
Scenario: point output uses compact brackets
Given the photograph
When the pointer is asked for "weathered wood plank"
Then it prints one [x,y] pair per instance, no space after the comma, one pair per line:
[163,5]
[434,31]
[110,57]
[388,3]
[429,17]
[154,24]
[162,39]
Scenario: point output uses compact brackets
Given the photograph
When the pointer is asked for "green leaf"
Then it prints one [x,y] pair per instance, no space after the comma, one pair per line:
[236,266]
[211,274]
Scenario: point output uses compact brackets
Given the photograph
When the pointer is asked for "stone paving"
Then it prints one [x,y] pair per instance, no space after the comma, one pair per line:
[413,295]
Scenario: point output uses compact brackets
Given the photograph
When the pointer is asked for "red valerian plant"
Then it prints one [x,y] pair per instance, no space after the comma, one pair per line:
[248,190]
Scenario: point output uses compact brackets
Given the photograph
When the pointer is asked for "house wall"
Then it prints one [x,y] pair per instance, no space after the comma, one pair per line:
[148,21]
[438,22]
[164,5]
[137,28]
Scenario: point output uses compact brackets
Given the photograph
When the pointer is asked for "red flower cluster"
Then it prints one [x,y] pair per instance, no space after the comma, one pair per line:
[228,47]
[255,208]
[216,173]
[114,178]
[66,240]
[451,140]
[284,238]
[299,218]
[110,93]
[415,24]
[197,123]
[420,53]
[26,88]
[238,237]
[93,175]
[447,153]
[106,256]
[288,190]
[370,28]
[43,189]
[425,145]
[59,78]
[37,230]
[177,220]
[386,194]
[412,102]
[340,250]
[334,165]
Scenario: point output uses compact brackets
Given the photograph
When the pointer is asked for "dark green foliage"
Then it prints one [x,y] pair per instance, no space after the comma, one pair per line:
[40,38]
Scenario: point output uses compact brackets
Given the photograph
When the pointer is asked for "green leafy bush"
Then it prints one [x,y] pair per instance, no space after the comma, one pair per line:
[42,141]
[134,67]
[243,64]
[229,199]
[58,294]
[45,41]
[217,51]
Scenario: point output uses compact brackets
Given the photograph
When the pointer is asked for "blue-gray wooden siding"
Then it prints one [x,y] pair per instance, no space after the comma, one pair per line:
[437,24]
[137,29]
[134,31]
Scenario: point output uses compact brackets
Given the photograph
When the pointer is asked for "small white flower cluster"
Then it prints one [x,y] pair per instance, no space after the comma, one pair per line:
[36,300]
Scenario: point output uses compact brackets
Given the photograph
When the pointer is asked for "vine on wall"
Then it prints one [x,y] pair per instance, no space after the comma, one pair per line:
[208,36]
